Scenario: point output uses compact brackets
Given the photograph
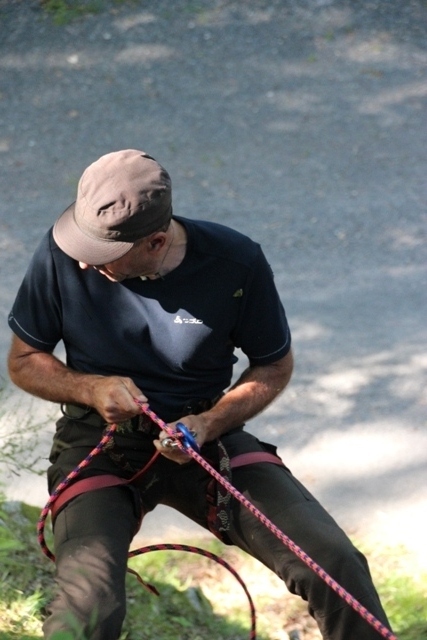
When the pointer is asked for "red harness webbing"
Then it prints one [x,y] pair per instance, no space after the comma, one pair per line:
[254,456]
[82,486]
[110,480]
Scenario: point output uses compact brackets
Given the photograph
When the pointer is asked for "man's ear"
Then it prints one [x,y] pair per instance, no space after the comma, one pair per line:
[157,242]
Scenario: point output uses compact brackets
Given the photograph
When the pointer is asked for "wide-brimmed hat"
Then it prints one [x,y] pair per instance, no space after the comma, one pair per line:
[122,197]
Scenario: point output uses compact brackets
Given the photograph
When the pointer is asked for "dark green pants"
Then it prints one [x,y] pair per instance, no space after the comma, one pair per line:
[94,531]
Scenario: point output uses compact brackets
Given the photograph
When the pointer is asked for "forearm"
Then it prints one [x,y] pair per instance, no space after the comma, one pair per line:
[45,376]
[256,388]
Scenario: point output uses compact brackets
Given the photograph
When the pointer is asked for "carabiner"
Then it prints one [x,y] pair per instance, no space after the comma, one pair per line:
[188,437]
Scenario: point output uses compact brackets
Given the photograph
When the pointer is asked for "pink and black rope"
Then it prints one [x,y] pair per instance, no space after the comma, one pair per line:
[64,484]
[210,556]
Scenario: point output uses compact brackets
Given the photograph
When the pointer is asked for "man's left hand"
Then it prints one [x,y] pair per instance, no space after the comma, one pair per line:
[165,444]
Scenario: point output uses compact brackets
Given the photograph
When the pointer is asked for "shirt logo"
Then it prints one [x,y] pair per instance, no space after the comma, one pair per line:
[179,320]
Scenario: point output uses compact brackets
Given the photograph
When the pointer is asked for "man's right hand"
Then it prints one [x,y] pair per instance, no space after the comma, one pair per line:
[114,398]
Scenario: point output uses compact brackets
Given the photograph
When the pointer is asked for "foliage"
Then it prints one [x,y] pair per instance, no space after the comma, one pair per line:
[187,606]
[20,433]
[64,11]
[25,579]
[403,592]
[198,598]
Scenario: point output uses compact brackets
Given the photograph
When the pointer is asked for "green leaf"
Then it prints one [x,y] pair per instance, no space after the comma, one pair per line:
[9,544]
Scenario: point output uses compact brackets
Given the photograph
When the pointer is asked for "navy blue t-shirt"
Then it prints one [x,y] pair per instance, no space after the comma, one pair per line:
[176,336]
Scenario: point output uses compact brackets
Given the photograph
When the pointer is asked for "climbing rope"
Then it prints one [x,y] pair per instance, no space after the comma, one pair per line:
[211,556]
[64,484]
[185,442]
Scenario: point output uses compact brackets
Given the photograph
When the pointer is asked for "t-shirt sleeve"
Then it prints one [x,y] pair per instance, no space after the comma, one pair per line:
[36,313]
[263,332]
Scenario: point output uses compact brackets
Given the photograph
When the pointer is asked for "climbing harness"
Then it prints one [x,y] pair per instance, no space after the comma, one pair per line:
[67,490]
[186,442]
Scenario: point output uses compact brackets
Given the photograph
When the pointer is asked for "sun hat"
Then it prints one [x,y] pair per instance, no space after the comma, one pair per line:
[122,197]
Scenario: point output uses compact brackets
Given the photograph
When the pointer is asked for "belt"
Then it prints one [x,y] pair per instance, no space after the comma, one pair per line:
[84,413]
[140,422]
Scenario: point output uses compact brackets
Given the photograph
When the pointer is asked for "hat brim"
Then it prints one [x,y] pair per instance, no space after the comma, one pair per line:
[82,247]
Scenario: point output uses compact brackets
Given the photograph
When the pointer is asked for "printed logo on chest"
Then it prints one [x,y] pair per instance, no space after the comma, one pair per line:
[180,320]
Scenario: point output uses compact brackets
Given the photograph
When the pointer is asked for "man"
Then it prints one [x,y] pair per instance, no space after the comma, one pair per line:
[150,308]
